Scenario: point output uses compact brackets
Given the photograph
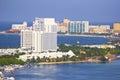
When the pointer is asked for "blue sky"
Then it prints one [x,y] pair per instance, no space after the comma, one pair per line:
[91,10]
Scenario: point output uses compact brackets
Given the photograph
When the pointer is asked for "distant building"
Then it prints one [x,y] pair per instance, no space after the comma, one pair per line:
[100,46]
[99,29]
[43,37]
[44,24]
[19,26]
[116,29]
[78,27]
[63,27]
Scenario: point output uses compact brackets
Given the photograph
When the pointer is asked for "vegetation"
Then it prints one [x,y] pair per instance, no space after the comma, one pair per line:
[10,59]
[85,53]
[82,54]
[46,59]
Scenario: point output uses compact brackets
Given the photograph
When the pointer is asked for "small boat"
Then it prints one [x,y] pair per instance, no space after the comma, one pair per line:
[78,42]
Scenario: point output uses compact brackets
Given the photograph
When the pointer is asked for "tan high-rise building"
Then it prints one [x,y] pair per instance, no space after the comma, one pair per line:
[116,27]
[63,27]
[66,21]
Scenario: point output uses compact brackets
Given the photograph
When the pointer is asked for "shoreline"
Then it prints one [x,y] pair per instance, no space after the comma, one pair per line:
[83,35]
[68,62]
[3,32]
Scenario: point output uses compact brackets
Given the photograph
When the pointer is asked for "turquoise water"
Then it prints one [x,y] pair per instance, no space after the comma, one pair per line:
[76,71]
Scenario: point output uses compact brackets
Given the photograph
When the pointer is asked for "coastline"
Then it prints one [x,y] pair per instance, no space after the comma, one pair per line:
[82,35]
[3,32]
[67,62]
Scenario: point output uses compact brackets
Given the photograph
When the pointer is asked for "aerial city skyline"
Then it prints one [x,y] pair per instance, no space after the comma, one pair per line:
[68,26]
[83,10]
[79,35]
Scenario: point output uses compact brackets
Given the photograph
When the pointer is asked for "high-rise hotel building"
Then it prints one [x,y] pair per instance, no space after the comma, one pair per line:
[78,27]
[43,37]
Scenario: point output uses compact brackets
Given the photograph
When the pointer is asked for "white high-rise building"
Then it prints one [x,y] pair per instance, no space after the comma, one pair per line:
[78,27]
[38,24]
[44,35]
[49,41]
[45,24]
[37,41]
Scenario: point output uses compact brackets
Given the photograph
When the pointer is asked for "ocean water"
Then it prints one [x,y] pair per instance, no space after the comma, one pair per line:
[9,41]
[13,40]
[72,71]
[84,40]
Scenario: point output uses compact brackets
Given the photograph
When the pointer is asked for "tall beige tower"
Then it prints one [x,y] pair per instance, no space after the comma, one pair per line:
[116,27]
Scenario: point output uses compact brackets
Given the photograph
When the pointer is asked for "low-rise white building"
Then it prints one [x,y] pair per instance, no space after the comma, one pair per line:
[7,51]
[46,54]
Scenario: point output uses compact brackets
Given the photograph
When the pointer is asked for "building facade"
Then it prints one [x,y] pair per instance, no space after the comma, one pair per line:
[78,27]
[26,39]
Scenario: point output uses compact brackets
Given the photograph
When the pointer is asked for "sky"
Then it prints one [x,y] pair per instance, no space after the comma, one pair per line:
[87,10]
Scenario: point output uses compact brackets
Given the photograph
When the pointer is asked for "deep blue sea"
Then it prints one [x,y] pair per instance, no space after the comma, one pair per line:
[72,71]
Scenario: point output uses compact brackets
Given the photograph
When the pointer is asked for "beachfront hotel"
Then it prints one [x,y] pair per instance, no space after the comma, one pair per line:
[43,36]
[78,27]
